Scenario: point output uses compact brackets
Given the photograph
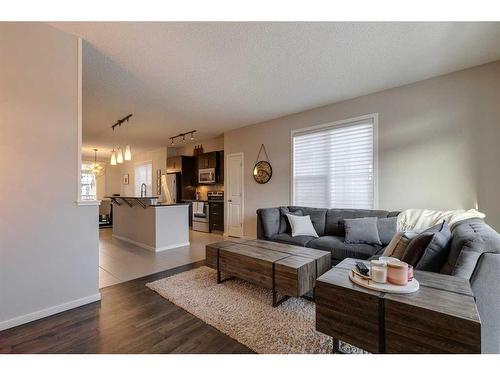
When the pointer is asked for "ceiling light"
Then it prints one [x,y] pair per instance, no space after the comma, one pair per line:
[183,138]
[128,153]
[119,156]
[192,136]
[113,158]
[172,141]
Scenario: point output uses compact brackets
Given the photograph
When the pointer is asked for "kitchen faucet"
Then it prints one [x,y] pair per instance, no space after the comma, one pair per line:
[143,190]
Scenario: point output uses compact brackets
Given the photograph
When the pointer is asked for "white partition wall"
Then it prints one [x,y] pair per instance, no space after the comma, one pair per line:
[48,243]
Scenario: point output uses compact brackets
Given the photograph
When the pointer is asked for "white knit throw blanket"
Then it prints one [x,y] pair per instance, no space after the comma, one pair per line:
[420,219]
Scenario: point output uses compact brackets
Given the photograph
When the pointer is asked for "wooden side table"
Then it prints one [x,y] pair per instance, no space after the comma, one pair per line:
[441,317]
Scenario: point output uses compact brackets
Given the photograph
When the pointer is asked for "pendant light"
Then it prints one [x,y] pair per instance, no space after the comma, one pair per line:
[119,156]
[119,153]
[113,158]
[128,153]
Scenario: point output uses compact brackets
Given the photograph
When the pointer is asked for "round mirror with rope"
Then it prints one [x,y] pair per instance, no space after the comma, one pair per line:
[262,171]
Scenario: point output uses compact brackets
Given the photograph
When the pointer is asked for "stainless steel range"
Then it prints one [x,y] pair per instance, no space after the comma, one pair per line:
[201,216]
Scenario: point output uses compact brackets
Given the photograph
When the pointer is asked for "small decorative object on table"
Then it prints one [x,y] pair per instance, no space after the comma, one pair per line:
[397,273]
[386,275]
[378,271]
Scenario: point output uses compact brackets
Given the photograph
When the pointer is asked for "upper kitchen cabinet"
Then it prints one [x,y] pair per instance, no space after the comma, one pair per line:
[174,164]
[208,160]
[212,160]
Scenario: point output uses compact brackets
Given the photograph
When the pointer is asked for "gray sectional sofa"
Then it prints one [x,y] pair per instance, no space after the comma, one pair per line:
[474,253]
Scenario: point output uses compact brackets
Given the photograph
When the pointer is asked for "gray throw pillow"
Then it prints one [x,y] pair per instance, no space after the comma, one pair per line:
[362,230]
[433,243]
[387,228]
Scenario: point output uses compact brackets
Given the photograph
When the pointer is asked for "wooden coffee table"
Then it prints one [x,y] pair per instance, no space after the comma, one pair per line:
[290,270]
[441,317]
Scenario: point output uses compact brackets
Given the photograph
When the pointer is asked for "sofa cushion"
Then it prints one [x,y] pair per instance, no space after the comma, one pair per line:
[436,252]
[387,228]
[397,247]
[469,257]
[334,225]
[362,230]
[301,225]
[270,220]
[297,240]
[284,223]
[318,217]
[416,248]
[475,237]
[340,250]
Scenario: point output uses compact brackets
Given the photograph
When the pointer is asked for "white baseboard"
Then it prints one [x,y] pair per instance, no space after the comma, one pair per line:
[150,248]
[48,311]
[242,237]
[175,246]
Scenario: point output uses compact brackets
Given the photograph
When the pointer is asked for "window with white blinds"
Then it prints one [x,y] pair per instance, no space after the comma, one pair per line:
[333,166]
[144,175]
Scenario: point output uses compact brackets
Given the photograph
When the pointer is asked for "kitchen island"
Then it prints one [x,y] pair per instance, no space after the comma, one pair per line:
[150,225]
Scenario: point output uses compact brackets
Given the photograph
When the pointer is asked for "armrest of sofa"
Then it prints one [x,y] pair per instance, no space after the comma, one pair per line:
[268,222]
[486,287]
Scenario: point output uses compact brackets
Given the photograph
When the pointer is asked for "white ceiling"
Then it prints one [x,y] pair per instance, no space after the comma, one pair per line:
[214,76]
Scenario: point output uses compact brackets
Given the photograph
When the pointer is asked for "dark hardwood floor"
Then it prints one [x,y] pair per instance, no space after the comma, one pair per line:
[130,318]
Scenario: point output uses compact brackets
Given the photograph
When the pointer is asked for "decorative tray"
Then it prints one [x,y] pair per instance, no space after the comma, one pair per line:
[366,282]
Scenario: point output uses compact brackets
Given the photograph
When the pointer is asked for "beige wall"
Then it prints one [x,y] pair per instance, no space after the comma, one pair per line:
[49,257]
[209,145]
[114,173]
[437,140]
[113,180]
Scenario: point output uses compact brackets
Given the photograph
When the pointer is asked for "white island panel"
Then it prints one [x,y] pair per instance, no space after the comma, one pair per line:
[155,228]
[172,226]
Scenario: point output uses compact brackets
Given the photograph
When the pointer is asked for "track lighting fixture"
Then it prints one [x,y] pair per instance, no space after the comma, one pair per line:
[183,136]
[118,155]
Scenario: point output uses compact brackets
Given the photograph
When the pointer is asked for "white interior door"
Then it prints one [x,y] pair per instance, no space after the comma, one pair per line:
[234,194]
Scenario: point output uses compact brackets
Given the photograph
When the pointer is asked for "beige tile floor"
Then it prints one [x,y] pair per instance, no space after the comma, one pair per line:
[120,261]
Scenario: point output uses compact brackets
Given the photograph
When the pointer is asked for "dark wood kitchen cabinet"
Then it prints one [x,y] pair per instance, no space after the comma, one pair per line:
[207,160]
[215,160]
[216,216]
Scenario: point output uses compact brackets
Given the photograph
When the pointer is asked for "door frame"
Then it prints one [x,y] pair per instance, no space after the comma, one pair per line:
[242,200]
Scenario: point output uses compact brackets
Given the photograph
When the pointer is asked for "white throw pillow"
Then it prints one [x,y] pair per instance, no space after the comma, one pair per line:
[301,225]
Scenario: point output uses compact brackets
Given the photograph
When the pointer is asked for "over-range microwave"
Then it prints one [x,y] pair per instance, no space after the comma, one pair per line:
[206,176]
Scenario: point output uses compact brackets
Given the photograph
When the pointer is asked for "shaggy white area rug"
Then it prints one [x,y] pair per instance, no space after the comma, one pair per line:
[243,311]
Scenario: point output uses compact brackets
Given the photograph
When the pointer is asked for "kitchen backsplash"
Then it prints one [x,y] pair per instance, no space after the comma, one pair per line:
[204,189]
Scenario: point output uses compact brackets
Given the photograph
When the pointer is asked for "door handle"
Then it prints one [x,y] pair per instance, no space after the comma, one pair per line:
[229,200]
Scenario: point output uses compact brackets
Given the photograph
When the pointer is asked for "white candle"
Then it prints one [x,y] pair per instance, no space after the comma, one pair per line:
[378,271]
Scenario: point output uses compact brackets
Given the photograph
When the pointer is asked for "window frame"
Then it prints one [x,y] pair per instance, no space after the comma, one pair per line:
[86,170]
[342,123]
[141,163]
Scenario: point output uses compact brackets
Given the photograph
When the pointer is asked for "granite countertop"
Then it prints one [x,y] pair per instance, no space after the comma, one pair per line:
[129,197]
[168,204]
